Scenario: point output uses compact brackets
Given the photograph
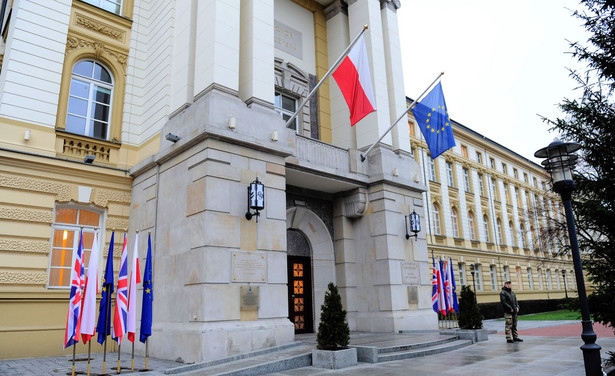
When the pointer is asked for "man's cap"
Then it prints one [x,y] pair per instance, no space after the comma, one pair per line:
[507,282]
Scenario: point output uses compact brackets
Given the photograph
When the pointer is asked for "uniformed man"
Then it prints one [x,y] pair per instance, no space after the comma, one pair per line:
[511,310]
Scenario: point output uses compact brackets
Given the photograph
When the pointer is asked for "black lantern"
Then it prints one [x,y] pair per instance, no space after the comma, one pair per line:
[560,162]
[413,224]
[473,271]
[564,279]
[256,199]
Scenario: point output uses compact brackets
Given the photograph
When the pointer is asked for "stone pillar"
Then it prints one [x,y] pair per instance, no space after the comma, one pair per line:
[182,79]
[217,46]
[256,78]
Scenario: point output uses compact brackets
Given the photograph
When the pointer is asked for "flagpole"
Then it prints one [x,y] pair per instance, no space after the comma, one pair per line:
[89,352]
[146,351]
[339,60]
[132,365]
[74,350]
[400,117]
[107,321]
[119,351]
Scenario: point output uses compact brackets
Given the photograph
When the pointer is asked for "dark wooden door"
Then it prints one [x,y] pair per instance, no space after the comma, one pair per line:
[300,293]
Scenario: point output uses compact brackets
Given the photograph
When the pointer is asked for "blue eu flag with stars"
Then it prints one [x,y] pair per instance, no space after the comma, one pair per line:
[432,117]
[148,295]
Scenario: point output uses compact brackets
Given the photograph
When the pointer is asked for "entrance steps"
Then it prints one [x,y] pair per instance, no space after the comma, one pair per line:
[371,348]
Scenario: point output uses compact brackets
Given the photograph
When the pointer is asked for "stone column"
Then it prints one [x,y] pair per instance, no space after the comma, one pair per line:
[256,78]
[184,36]
[217,46]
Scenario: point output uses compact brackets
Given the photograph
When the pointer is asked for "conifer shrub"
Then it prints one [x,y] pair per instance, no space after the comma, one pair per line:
[333,331]
[469,316]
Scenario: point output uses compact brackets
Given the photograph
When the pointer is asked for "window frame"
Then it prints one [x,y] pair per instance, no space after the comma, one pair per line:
[286,112]
[436,218]
[486,228]
[450,174]
[101,2]
[431,167]
[471,224]
[455,222]
[466,180]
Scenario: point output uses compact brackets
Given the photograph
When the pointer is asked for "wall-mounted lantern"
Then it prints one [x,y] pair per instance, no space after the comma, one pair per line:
[256,199]
[413,224]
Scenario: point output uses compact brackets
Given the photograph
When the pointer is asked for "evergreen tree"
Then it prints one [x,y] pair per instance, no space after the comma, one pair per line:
[469,316]
[590,121]
[333,331]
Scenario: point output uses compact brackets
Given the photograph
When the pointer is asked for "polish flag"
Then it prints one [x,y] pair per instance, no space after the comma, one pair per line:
[355,82]
[88,308]
[135,277]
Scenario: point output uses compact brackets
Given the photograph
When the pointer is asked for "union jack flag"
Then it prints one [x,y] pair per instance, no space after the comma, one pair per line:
[77,283]
[434,287]
[121,299]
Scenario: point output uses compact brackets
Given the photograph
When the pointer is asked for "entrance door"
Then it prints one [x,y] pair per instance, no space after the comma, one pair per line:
[300,293]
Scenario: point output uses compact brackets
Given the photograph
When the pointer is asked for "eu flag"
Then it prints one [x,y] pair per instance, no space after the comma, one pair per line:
[104,311]
[432,117]
[148,295]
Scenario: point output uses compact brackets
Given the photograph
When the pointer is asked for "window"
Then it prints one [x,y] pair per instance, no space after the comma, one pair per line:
[411,127]
[523,240]
[504,168]
[432,169]
[449,174]
[492,274]
[540,285]
[557,282]
[413,153]
[506,194]
[492,163]
[462,274]
[286,107]
[525,177]
[511,230]
[479,277]
[65,242]
[479,157]
[466,179]
[506,273]
[549,280]
[481,184]
[515,173]
[533,233]
[517,197]
[454,222]
[498,226]
[464,151]
[436,219]
[535,183]
[89,102]
[113,6]
[494,190]
[486,228]
[529,278]
[471,225]
[519,278]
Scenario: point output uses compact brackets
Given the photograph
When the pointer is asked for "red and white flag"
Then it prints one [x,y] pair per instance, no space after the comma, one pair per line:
[121,299]
[88,308]
[354,80]
[135,277]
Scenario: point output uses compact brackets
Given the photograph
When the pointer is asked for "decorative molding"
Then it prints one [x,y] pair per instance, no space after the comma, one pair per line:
[24,246]
[62,191]
[74,147]
[355,205]
[73,43]
[23,278]
[26,215]
[118,224]
[99,27]
[101,197]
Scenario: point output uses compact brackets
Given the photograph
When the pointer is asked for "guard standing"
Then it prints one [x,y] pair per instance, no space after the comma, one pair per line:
[511,310]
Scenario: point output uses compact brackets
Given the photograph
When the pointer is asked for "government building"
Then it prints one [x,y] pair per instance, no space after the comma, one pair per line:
[120,116]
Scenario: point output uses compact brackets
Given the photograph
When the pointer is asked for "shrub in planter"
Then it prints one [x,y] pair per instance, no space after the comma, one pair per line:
[333,331]
[469,316]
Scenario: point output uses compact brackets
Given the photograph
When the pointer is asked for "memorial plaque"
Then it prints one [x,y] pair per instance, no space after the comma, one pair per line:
[249,298]
[287,39]
[248,267]
[413,294]
[410,274]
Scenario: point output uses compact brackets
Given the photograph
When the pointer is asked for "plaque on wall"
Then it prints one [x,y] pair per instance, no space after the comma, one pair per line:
[410,273]
[248,267]
[287,39]
[249,298]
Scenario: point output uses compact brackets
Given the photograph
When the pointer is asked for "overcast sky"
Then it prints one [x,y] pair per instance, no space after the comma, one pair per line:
[504,63]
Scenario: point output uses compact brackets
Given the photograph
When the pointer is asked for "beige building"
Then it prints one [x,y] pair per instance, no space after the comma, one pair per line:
[490,210]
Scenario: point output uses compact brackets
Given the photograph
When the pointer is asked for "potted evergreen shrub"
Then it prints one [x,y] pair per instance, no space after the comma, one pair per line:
[333,334]
[470,318]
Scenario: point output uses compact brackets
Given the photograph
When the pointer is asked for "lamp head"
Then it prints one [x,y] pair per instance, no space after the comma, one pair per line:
[560,162]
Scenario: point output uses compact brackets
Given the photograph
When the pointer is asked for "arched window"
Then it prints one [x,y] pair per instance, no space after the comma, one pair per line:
[455,223]
[471,225]
[113,6]
[436,219]
[498,226]
[486,228]
[89,102]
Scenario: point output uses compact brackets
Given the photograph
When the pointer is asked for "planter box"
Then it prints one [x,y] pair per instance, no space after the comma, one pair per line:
[334,359]
[475,335]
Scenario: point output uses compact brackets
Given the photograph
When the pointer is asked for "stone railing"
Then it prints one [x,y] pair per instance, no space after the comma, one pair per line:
[77,147]
[320,154]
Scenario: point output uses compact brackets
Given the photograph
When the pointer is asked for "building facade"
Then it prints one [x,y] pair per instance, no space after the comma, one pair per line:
[491,211]
[134,115]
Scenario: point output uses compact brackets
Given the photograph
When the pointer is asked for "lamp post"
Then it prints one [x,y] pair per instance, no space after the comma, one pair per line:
[564,279]
[472,271]
[560,161]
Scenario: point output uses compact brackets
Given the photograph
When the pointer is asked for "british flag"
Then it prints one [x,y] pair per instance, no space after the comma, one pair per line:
[121,299]
[434,287]
[77,283]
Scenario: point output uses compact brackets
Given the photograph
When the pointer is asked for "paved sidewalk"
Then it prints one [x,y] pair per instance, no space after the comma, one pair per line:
[549,348]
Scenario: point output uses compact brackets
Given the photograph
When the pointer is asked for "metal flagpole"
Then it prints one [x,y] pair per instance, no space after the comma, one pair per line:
[132,365]
[427,199]
[119,351]
[74,350]
[89,352]
[339,60]
[400,117]
[146,351]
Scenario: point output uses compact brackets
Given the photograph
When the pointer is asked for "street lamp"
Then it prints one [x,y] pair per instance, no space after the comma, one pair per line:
[564,278]
[560,161]
[472,271]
